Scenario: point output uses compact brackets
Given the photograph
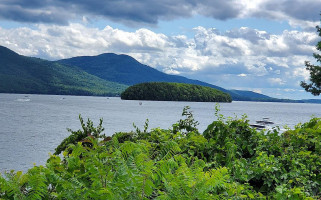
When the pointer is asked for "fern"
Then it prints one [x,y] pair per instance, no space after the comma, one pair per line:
[168,150]
[229,161]
[37,185]
[14,185]
[88,130]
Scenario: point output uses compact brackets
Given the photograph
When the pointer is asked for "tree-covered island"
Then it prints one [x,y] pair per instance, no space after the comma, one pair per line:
[163,91]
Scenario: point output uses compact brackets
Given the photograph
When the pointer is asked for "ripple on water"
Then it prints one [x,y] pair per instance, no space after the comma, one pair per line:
[32,129]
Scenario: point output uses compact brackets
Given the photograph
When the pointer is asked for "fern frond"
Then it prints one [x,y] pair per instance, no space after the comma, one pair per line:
[37,183]
[168,150]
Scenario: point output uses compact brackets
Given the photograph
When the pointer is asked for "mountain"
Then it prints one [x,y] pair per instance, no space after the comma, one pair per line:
[249,95]
[126,70]
[103,75]
[21,74]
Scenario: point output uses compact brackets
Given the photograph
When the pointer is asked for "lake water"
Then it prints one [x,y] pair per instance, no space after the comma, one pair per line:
[33,125]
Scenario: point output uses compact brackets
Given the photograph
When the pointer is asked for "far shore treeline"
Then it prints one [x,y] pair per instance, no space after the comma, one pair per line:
[163,91]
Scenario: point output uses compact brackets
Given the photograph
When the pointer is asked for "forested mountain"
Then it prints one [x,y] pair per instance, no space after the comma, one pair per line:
[164,91]
[251,96]
[106,74]
[126,70]
[21,74]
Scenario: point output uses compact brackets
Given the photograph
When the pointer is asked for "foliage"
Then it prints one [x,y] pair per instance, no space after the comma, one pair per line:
[161,91]
[21,74]
[126,70]
[230,160]
[314,87]
[103,75]
[188,124]
[88,130]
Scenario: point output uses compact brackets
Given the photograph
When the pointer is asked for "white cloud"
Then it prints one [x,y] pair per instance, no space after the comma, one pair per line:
[253,56]
[276,81]
[289,90]
[258,91]
[297,13]
[301,72]
[171,71]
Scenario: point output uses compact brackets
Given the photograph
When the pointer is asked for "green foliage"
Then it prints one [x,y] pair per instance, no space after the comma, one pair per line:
[161,91]
[21,74]
[126,70]
[88,130]
[230,160]
[188,124]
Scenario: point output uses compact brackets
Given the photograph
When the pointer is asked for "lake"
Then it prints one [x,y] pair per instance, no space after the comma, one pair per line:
[33,125]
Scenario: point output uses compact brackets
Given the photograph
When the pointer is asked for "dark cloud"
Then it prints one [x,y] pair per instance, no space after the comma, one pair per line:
[132,12]
[34,4]
[248,34]
[298,9]
[218,9]
[62,11]
[22,13]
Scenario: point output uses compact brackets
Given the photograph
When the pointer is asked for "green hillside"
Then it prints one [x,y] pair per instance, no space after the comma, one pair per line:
[122,69]
[249,95]
[21,74]
[126,70]
[106,75]
[161,91]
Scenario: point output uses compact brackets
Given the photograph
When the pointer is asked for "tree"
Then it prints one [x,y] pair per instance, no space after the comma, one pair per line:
[315,72]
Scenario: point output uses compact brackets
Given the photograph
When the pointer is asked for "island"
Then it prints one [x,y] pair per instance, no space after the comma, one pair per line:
[165,91]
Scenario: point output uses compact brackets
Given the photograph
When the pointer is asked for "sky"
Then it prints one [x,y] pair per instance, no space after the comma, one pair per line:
[259,45]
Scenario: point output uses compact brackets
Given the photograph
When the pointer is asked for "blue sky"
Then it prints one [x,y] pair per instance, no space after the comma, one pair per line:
[249,45]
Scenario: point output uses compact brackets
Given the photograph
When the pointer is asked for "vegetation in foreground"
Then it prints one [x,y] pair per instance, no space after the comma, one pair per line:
[230,160]
[164,91]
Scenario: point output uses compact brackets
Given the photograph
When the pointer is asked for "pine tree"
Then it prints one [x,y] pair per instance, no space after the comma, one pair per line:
[315,72]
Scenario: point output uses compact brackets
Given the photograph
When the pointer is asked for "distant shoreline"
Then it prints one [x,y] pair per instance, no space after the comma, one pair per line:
[307,101]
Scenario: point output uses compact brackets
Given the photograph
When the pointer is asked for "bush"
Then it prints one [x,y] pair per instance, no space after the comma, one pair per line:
[230,160]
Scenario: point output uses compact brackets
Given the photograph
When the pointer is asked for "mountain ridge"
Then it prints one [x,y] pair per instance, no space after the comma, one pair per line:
[125,69]
[22,74]
[72,76]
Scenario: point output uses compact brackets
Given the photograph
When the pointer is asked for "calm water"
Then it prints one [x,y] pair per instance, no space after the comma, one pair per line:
[33,125]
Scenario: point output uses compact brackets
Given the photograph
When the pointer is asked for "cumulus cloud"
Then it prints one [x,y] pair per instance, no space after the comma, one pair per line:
[276,81]
[240,58]
[303,13]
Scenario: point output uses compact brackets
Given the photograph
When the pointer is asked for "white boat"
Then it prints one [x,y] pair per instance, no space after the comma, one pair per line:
[264,121]
[258,126]
[23,100]
[261,124]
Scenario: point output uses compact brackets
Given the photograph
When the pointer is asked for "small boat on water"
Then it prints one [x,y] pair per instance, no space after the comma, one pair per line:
[258,126]
[22,100]
[261,124]
[264,121]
